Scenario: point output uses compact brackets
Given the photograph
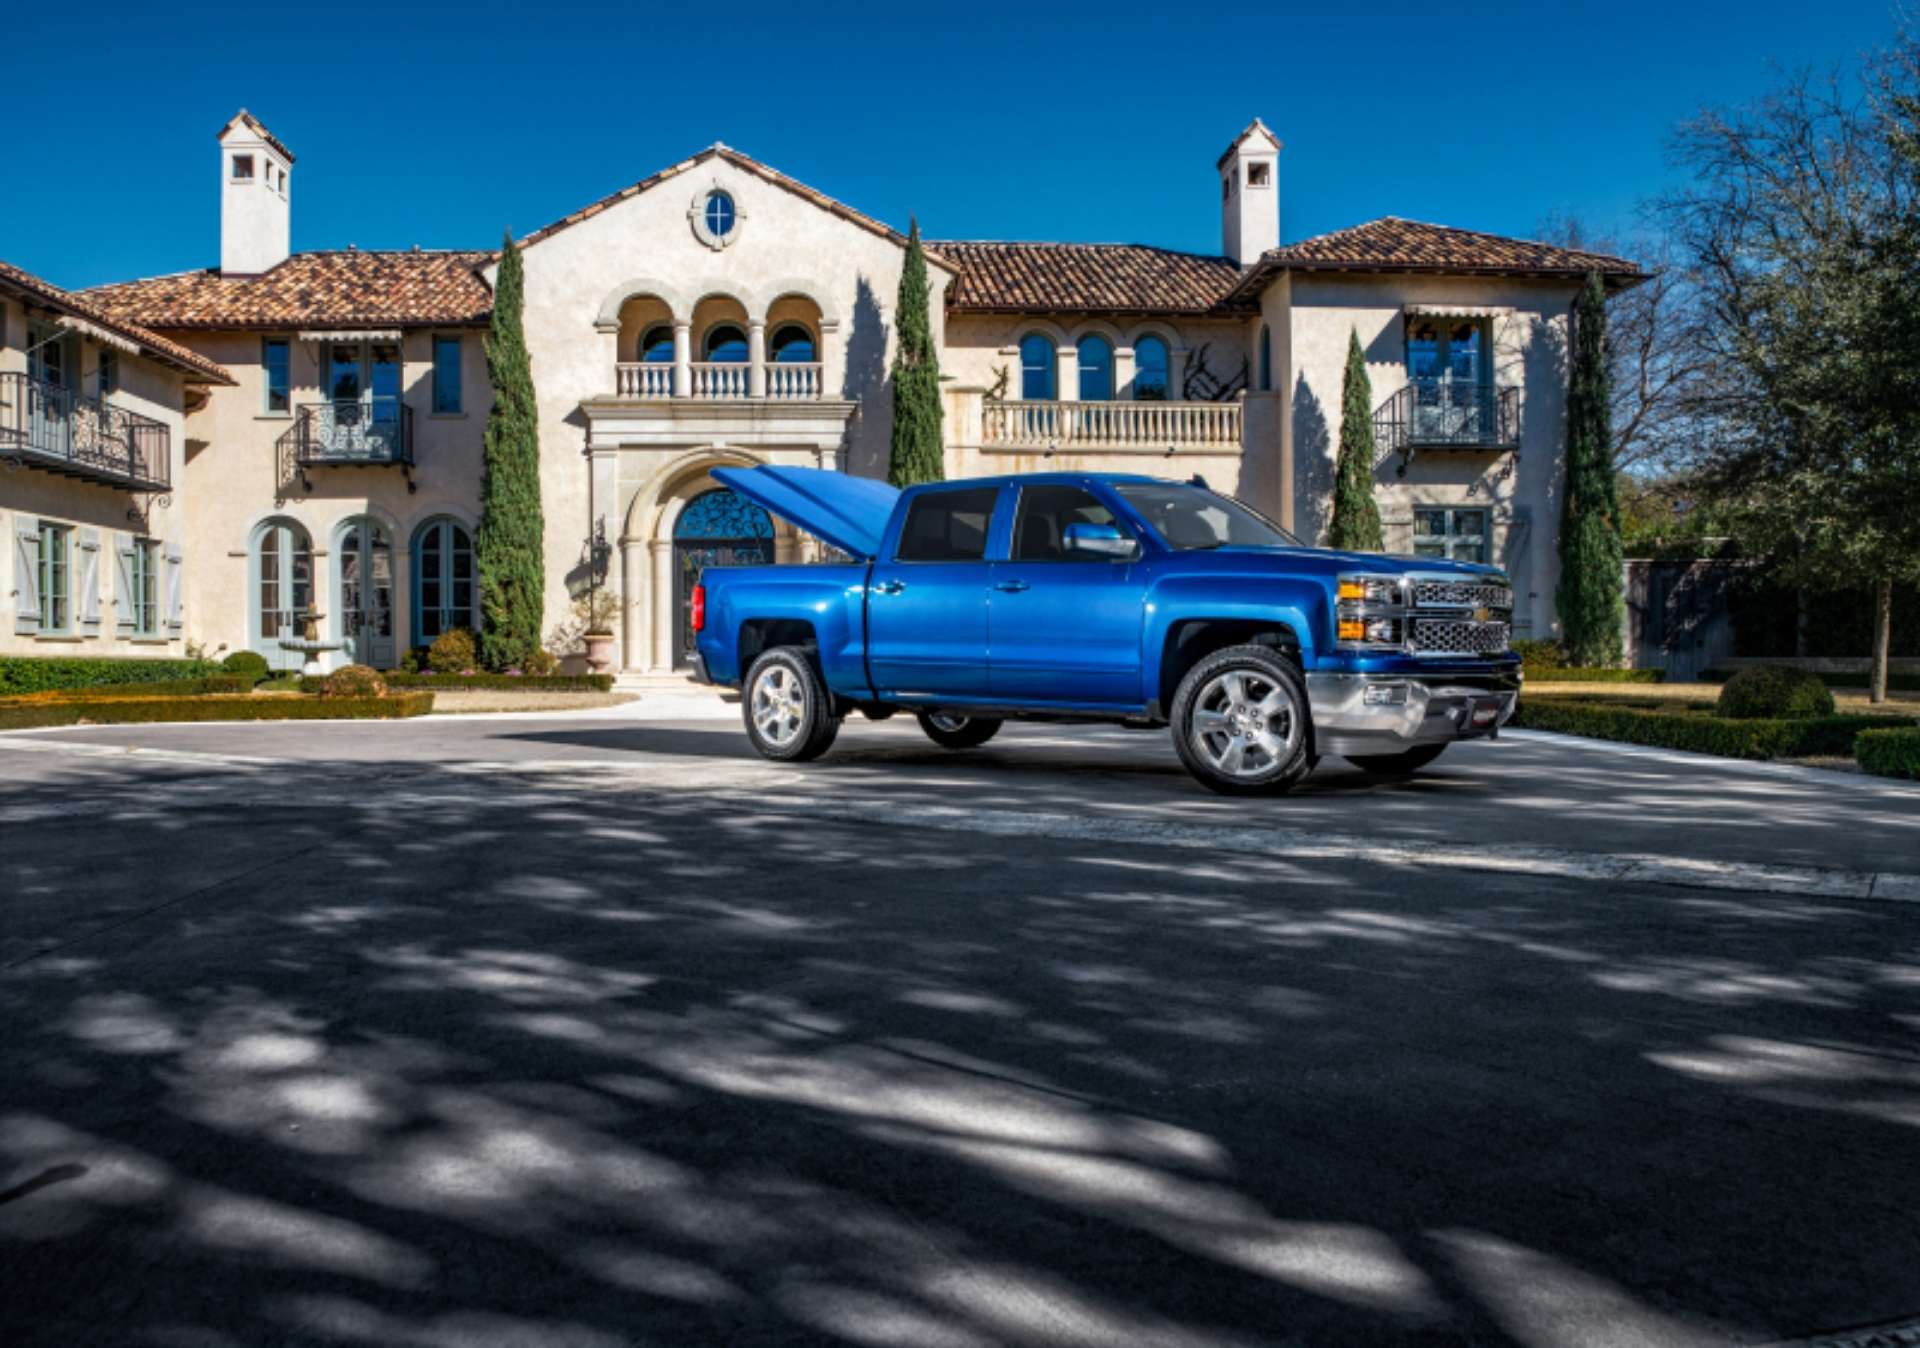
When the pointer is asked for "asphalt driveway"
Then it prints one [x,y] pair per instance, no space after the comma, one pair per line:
[576,1031]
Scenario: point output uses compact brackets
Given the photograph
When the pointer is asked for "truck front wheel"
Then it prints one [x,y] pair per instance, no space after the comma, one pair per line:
[1241,723]
[788,713]
[958,732]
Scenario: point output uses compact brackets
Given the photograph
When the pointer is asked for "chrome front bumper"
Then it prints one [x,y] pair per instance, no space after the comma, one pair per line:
[1404,711]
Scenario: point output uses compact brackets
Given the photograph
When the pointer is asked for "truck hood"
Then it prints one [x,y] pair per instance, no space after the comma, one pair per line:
[851,513]
[1330,561]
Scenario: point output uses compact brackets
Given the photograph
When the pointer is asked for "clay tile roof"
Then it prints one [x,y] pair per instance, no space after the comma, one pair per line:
[1085,278]
[198,369]
[747,163]
[1393,244]
[255,125]
[350,289]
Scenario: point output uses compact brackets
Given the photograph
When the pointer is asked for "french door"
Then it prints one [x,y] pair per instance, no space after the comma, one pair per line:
[1448,368]
[442,580]
[366,594]
[282,592]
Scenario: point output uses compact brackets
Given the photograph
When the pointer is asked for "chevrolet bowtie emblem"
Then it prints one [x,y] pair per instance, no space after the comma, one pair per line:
[1481,615]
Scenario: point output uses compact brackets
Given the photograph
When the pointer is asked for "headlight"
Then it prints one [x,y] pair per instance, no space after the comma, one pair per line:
[1371,631]
[1370,590]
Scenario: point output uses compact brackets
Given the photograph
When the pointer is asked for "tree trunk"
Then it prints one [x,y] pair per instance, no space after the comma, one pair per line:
[1882,639]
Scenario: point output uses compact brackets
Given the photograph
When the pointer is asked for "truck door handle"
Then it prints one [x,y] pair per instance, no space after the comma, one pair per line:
[1012,586]
[891,586]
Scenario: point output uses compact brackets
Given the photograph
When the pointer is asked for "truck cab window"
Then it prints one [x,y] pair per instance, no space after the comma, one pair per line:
[948,526]
[1039,530]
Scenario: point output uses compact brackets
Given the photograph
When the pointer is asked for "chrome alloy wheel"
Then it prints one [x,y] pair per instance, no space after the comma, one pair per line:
[1245,724]
[947,721]
[779,705]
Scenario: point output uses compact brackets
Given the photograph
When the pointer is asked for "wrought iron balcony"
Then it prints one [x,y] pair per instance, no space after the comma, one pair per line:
[1444,414]
[43,425]
[350,433]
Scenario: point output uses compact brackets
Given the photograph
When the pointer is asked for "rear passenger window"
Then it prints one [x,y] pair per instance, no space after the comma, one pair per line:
[948,526]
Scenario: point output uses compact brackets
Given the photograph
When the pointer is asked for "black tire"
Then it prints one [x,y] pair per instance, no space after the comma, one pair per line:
[958,732]
[790,717]
[1280,742]
[1397,765]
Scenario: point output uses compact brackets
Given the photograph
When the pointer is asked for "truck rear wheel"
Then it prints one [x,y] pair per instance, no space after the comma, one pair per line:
[1241,722]
[788,713]
[958,732]
[1394,765]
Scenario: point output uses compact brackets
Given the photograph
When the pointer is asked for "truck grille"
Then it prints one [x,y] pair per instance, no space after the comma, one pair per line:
[1458,636]
[1461,594]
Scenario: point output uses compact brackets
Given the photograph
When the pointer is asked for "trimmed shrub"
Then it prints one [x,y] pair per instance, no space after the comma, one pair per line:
[525,683]
[1774,691]
[353,681]
[213,683]
[1696,732]
[1539,654]
[1889,753]
[37,674]
[249,664]
[1896,683]
[541,664]
[452,651]
[1572,674]
[127,710]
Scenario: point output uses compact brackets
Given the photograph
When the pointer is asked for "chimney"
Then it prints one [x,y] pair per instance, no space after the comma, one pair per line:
[1250,194]
[256,190]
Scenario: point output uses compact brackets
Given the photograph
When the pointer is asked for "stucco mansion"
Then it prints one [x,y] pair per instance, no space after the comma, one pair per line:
[207,455]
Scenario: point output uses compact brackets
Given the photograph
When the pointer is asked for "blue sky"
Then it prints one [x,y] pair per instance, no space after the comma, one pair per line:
[441,125]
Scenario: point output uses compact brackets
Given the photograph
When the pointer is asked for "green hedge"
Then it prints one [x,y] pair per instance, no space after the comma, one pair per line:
[1701,733]
[1889,753]
[525,683]
[1897,683]
[1576,674]
[132,710]
[39,674]
[212,683]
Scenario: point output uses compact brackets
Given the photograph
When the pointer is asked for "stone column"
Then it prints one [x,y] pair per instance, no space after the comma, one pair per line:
[633,605]
[682,358]
[1122,373]
[756,358]
[665,614]
[1066,372]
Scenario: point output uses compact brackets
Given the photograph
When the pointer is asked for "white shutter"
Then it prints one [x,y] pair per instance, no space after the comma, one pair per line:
[87,599]
[26,573]
[174,597]
[126,604]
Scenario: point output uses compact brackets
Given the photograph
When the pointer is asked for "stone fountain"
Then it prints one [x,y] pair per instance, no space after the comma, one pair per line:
[309,644]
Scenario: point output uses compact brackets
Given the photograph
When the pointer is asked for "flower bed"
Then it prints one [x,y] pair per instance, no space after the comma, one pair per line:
[39,674]
[20,713]
[1889,753]
[1699,731]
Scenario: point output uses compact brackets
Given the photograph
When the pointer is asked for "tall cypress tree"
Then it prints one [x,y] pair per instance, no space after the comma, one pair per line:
[507,546]
[916,454]
[1356,519]
[1591,598]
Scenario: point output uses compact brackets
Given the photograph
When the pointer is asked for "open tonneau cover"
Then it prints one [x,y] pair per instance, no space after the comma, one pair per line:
[849,512]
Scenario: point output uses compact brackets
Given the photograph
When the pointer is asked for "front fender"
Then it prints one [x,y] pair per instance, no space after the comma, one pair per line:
[1299,604]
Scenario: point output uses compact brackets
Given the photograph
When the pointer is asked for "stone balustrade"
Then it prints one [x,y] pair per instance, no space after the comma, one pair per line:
[651,380]
[1156,426]
[716,380]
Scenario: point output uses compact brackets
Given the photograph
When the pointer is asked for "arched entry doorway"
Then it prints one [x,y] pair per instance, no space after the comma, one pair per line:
[716,528]
[366,593]
[281,585]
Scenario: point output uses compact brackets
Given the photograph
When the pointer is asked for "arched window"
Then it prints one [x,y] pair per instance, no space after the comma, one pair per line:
[1036,367]
[656,345]
[443,588]
[1266,359]
[791,343]
[364,599]
[726,344]
[282,566]
[1096,369]
[1150,370]
[719,214]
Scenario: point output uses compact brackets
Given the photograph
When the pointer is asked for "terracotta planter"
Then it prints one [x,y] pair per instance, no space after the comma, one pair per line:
[599,651]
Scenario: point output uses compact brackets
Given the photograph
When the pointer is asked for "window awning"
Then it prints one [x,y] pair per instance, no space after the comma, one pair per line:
[344,335]
[1458,310]
[98,333]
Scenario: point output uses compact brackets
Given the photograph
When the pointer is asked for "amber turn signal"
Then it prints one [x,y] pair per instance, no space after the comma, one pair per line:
[1352,629]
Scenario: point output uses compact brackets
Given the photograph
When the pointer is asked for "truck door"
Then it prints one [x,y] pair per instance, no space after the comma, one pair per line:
[1064,619]
[927,605]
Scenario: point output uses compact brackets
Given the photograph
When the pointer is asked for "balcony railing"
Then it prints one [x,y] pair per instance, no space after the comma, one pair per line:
[791,381]
[366,430]
[1154,426]
[47,426]
[1443,414]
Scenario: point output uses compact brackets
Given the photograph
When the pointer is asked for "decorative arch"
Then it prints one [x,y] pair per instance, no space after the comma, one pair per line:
[720,288]
[443,575]
[1164,332]
[1099,327]
[646,512]
[608,319]
[275,599]
[798,289]
[1052,331]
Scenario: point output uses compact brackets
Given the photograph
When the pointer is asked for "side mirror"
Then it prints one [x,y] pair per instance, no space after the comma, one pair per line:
[1098,540]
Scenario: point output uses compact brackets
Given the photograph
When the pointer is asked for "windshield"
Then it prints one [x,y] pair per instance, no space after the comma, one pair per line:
[1191,518]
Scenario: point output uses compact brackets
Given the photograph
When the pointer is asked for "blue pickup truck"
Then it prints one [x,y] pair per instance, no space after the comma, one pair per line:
[1102,597]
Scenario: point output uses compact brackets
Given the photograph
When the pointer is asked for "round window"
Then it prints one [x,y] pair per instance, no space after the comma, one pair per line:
[720,214]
